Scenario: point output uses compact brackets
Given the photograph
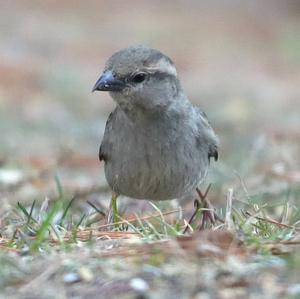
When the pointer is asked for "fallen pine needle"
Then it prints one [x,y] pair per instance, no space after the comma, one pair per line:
[133,219]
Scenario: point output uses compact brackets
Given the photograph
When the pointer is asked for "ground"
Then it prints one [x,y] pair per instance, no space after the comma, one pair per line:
[239,61]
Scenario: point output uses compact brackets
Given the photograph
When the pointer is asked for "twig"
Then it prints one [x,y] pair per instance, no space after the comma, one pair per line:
[277,223]
[283,242]
[228,216]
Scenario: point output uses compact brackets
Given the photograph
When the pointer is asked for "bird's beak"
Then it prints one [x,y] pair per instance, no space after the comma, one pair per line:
[107,82]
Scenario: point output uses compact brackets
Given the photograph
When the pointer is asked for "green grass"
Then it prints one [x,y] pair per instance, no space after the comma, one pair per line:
[40,226]
[76,237]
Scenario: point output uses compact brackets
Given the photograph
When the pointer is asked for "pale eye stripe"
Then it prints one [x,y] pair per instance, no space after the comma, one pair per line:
[163,66]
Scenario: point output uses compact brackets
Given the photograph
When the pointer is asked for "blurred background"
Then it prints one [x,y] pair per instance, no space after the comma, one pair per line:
[238,60]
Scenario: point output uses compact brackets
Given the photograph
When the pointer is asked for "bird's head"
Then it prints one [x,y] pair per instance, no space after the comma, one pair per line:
[140,78]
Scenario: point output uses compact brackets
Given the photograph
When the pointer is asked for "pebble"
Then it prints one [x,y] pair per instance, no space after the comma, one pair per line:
[139,284]
[72,277]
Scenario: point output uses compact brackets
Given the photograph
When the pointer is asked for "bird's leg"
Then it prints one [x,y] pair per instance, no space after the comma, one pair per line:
[197,207]
[113,216]
[209,213]
[115,207]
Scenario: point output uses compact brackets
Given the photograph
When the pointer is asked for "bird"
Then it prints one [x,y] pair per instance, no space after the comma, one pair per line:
[157,145]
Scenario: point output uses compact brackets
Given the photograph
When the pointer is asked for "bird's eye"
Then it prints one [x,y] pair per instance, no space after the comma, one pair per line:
[138,78]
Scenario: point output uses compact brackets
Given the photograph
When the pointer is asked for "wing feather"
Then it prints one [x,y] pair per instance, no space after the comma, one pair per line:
[208,135]
[105,146]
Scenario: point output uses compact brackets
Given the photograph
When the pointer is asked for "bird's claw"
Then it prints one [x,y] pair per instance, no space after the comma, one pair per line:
[208,211]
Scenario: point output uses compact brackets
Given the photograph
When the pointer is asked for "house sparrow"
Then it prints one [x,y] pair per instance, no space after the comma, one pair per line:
[156,145]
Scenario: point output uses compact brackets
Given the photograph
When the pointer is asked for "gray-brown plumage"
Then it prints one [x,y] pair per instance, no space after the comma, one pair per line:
[156,144]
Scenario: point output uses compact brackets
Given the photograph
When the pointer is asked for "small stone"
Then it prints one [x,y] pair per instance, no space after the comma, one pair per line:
[10,176]
[139,284]
[85,274]
[72,277]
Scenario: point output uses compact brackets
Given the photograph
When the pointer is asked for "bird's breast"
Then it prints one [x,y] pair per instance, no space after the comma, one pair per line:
[154,164]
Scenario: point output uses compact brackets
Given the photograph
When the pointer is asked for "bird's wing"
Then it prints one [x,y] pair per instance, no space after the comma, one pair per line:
[105,146]
[207,135]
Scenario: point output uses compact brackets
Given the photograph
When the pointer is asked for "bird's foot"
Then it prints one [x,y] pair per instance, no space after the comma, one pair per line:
[208,211]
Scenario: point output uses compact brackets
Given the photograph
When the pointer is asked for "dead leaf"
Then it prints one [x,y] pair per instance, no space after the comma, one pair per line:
[209,243]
